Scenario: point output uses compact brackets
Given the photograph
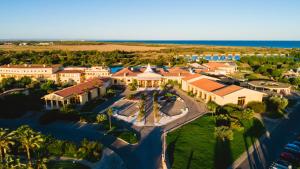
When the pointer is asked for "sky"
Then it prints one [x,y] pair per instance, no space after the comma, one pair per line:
[150,19]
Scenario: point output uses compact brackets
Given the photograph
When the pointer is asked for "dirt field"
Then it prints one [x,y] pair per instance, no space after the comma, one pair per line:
[104,47]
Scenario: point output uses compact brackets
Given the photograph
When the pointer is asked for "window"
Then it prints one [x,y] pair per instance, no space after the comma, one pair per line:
[241,101]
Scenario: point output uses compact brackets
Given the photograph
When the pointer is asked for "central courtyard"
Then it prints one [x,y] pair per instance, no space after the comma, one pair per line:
[150,108]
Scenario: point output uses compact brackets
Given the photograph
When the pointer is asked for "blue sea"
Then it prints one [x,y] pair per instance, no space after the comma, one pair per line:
[246,43]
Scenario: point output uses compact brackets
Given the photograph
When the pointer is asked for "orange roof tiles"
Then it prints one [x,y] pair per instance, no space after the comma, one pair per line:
[126,71]
[191,76]
[81,87]
[175,71]
[207,85]
[227,90]
[214,65]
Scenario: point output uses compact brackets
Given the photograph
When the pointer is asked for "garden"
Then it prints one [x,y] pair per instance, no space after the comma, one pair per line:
[214,140]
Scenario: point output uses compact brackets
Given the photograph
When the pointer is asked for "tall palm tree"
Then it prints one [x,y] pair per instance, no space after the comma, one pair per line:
[6,140]
[29,139]
[110,113]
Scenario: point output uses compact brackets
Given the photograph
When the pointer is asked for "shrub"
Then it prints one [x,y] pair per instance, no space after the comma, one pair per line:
[257,107]
[247,114]
[276,103]
[56,148]
[223,133]
[212,106]
[70,149]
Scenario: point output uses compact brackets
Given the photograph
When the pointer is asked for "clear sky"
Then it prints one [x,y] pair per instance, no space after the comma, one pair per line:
[150,19]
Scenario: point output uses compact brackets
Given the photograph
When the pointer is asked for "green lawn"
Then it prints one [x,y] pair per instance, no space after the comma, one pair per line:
[65,165]
[194,145]
[128,136]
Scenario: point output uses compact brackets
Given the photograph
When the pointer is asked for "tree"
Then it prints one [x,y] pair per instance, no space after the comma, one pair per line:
[223,133]
[101,118]
[247,114]
[6,141]
[257,107]
[141,110]
[276,103]
[29,139]
[109,114]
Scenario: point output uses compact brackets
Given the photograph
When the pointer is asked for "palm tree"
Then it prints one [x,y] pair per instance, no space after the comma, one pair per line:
[6,140]
[110,113]
[29,139]
[100,118]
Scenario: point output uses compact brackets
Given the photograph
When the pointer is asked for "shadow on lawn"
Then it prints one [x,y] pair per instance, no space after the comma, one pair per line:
[171,148]
[222,155]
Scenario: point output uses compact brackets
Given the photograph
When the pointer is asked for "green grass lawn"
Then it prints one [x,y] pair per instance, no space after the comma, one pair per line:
[194,145]
[128,136]
[65,165]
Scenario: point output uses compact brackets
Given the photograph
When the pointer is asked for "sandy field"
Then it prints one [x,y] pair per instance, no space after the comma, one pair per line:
[104,47]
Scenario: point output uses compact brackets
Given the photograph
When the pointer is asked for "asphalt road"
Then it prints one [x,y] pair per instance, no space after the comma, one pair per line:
[270,148]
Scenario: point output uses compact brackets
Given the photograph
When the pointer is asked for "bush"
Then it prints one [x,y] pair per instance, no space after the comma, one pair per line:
[70,149]
[223,133]
[212,106]
[56,148]
[275,103]
[257,107]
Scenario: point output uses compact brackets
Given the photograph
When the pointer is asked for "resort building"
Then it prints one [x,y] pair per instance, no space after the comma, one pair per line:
[219,68]
[208,89]
[70,76]
[270,87]
[37,72]
[56,73]
[78,94]
[148,77]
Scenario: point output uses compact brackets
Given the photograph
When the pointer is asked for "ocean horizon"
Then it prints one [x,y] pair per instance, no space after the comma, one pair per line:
[232,43]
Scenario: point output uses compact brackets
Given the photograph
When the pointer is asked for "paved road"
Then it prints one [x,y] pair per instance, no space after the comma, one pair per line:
[269,149]
[196,109]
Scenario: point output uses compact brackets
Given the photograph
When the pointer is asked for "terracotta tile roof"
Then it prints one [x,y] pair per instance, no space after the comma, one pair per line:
[126,71]
[81,87]
[170,72]
[207,85]
[191,76]
[215,65]
[70,71]
[30,66]
[175,71]
[227,90]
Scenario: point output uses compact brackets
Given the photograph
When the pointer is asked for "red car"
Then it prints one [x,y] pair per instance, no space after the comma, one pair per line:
[289,157]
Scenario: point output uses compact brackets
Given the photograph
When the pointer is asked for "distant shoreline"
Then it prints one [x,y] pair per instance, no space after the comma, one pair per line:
[225,43]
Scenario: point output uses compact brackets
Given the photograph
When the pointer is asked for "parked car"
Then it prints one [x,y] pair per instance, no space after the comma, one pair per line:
[293,151]
[280,164]
[293,146]
[289,157]
[296,143]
